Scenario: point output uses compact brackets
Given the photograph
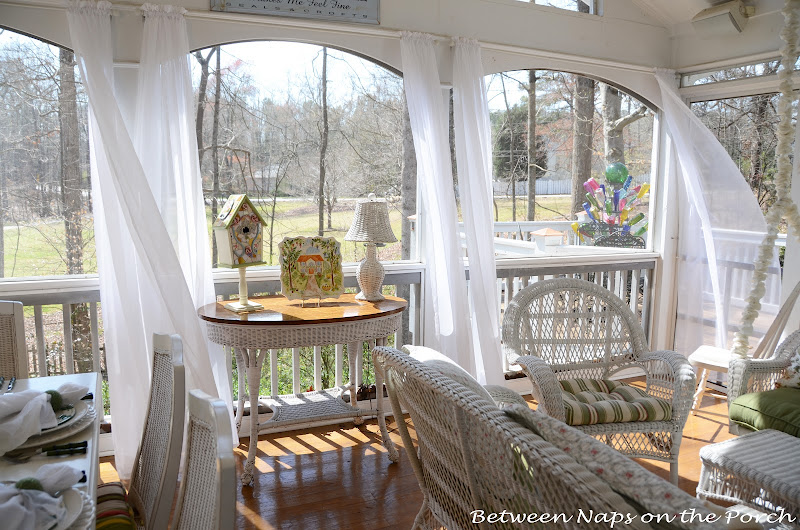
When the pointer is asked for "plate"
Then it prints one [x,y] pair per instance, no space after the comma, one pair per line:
[84,416]
[63,417]
[74,413]
[73,502]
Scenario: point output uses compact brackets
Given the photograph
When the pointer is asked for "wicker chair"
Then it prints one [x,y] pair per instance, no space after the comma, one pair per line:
[759,375]
[206,500]
[13,355]
[155,470]
[564,329]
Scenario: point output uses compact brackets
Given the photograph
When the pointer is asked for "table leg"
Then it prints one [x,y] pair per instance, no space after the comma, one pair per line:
[352,349]
[394,456]
[242,390]
[256,358]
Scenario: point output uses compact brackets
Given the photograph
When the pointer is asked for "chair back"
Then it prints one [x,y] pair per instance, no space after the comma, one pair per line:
[473,457]
[155,470]
[207,497]
[767,346]
[13,354]
[579,328]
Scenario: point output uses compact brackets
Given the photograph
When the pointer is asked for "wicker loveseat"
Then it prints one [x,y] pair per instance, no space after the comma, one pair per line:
[479,465]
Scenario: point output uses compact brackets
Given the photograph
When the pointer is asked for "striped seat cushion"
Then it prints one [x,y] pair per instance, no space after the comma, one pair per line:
[590,401]
[113,510]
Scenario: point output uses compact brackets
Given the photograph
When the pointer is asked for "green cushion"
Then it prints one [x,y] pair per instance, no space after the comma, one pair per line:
[777,409]
[591,401]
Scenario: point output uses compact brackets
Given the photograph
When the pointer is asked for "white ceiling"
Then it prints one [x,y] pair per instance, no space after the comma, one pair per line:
[677,12]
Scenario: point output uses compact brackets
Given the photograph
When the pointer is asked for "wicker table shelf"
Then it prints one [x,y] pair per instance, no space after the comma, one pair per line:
[286,323]
[759,469]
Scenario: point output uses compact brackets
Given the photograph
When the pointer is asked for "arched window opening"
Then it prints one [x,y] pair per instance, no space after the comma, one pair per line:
[571,155]
[45,192]
[304,130]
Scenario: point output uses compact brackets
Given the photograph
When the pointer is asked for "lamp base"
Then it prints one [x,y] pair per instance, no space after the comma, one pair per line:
[370,275]
[238,307]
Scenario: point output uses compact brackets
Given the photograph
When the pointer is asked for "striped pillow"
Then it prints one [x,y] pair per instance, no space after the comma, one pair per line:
[591,401]
[113,510]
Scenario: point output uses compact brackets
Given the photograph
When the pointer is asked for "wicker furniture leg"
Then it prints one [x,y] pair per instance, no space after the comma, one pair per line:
[353,350]
[254,359]
[394,455]
[242,390]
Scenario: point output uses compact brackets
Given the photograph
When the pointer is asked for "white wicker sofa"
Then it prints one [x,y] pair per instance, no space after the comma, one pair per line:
[476,461]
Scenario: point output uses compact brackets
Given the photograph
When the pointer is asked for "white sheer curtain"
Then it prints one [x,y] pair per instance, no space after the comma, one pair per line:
[446,303]
[720,227]
[148,280]
[474,160]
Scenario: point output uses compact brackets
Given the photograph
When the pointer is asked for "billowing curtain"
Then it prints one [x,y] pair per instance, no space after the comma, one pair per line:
[153,262]
[474,161]
[445,287]
[720,228]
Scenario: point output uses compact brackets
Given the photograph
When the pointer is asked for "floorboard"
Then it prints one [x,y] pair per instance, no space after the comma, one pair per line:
[339,477]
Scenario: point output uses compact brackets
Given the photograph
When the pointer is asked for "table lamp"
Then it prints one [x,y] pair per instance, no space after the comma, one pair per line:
[371,226]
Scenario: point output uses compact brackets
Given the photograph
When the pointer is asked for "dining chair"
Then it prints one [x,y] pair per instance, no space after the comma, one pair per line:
[13,354]
[572,338]
[155,469]
[206,499]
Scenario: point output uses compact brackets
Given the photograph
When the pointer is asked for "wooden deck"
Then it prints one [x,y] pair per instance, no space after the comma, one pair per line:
[339,477]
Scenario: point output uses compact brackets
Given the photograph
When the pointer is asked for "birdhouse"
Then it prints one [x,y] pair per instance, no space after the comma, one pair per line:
[237,230]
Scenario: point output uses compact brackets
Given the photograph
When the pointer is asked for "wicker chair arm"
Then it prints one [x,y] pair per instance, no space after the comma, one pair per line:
[504,396]
[670,376]
[753,375]
[546,390]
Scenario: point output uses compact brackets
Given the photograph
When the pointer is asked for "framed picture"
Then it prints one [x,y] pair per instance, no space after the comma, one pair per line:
[311,267]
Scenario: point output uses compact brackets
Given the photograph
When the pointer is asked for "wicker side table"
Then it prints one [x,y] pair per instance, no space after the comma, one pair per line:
[759,469]
[286,324]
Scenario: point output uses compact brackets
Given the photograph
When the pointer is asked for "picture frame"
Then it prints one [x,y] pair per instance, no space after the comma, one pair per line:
[311,268]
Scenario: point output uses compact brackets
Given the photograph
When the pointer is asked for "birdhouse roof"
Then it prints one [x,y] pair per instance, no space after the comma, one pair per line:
[548,232]
[315,257]
[231,208]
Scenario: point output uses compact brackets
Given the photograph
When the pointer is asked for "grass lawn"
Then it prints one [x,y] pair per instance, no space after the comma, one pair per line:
[38,249]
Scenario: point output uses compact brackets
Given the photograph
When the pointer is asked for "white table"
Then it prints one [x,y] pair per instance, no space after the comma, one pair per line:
[89,462]
[287,324]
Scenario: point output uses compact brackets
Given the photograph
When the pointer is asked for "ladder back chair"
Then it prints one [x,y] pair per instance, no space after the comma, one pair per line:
[571,338]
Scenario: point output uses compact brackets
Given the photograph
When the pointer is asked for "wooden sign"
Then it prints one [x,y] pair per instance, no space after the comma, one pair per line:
[364,11]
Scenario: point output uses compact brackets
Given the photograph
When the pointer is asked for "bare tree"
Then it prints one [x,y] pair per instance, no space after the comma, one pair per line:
[532,169]
[201,97]
[323,148]
[614,124]
[582,135]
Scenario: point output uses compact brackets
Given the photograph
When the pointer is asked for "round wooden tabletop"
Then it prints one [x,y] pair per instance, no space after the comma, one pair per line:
[278,310]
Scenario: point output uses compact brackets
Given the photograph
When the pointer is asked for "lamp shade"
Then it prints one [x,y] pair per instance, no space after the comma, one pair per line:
[371,222]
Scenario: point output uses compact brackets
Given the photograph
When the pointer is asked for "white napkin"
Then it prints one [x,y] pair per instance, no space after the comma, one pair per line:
[23,414]
[29,509]
[58,477]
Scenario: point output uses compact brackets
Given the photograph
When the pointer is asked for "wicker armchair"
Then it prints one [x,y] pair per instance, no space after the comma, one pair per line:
[207,497]
[13,355]
[564,329]
[759,375]
[155,470]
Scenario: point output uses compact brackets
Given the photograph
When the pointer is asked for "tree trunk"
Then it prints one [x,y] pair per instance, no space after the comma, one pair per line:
[409,208]
[532,172]
[72,201]
[201,99]
[452,139]
[582,129]
[323,148]
[613,124]
[215,157]
[512,177]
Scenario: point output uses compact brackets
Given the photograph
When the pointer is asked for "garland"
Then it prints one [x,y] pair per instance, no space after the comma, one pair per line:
[783,206]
